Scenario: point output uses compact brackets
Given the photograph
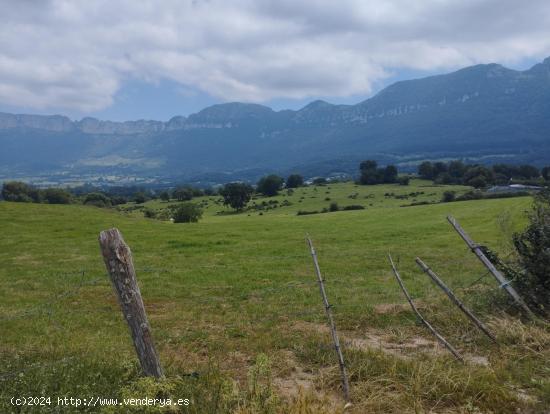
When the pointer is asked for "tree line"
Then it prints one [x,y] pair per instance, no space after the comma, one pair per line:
[479,176]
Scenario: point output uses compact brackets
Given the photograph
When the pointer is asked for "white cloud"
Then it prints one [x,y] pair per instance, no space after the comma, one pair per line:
[75,55]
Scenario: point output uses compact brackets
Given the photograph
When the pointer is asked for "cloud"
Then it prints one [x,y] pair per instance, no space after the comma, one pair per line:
[76,55]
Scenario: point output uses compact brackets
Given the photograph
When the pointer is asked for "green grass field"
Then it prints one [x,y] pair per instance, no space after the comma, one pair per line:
[234,299]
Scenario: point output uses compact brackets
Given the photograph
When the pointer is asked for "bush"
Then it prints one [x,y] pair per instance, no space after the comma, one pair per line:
[448,196]
[97,199]
[333,207]
[403,180]
[353,207]
[149,213]
[305,213]
[186,213]
[533,248]
[56,196]
[470,195]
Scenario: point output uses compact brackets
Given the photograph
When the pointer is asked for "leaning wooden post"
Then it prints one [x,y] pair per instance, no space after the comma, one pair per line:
[120,266]
[328,310]
[454,299]
[505,284]
[424,321]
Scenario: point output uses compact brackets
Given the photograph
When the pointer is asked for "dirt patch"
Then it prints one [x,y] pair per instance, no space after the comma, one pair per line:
[477,360]
[390,308]
[296,381]
[296,385]
[384,343]
[311,327]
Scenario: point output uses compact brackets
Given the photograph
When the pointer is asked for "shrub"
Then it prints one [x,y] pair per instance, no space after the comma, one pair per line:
[149,213]
[97,199]
[470,195]
[403,180]
[187,213]
[333,207]
[448,196]
[305,213]
[533,248]
[353,207]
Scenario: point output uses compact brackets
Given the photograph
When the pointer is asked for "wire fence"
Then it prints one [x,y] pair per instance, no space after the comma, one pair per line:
[292,299]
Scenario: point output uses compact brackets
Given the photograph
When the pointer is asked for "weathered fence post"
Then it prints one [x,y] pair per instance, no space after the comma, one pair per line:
[120,266]
[454,299]
[505,284]
[424,321]
[332,326]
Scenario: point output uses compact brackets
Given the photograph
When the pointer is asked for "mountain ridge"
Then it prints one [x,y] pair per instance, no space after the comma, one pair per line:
[487,111]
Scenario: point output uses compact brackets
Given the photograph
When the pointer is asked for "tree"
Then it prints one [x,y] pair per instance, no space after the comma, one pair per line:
[270,185]
[439,168]
[56,196]
[236,195]
[140,197]
[20,192]
[320,181]
[186,213]
[478,176]
[369,173]
[165,196]
[183,193]
[368,165]
[294,181]
[528,171]
[456,170]
[426,170]
[390,174]
[546,173]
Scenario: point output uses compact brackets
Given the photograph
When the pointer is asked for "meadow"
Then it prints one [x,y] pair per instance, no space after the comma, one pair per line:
[236,313]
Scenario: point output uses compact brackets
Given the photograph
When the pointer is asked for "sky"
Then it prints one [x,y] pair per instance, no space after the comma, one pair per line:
[150,59]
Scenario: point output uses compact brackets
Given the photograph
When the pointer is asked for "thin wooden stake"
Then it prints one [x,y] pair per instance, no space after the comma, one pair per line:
[120,266]
[328,310]
[454,299]
[505,284]
[424,321]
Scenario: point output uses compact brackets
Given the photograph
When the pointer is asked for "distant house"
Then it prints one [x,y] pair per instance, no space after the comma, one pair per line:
[513,188]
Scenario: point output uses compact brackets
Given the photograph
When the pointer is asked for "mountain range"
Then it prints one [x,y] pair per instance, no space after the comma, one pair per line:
[483,113]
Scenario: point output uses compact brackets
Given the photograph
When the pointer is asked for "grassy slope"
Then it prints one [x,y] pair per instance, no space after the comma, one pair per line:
[224,290]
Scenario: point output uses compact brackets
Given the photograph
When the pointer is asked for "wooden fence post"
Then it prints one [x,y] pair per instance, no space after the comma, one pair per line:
[120,266]
[505,284]
[454,299]
[332,326]
[424,321]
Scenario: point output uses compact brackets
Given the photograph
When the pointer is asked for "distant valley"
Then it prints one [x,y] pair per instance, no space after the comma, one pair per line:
[483,113]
